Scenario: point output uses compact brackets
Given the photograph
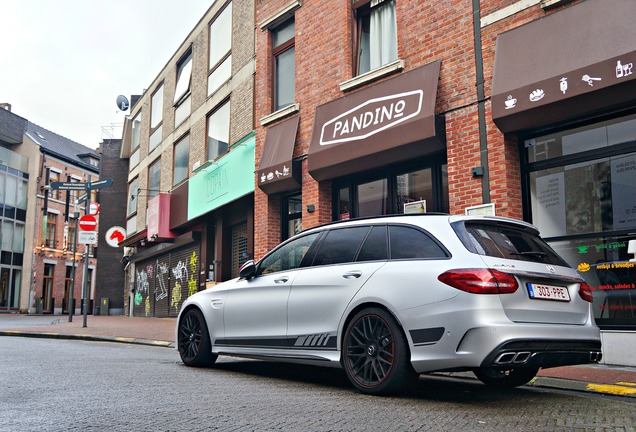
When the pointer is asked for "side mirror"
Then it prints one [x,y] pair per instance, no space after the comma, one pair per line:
[247,270]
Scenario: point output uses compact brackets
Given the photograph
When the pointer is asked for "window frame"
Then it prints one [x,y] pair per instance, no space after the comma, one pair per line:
[152,190]
[276,51]
[51,230]
[184,62]
[183,139]
[217,109]
[133,196]
[360,9]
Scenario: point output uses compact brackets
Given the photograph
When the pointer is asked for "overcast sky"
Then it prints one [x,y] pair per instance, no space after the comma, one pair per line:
[64,62]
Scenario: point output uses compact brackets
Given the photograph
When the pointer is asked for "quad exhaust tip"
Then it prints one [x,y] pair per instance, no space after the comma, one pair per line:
[522,357]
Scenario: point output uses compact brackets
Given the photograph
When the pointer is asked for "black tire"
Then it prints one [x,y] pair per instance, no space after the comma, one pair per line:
[375,353]
[507,378]
[193,342]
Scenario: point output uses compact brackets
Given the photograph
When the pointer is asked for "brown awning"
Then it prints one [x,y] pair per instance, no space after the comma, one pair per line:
[572,63]
[389,122]
[277,171]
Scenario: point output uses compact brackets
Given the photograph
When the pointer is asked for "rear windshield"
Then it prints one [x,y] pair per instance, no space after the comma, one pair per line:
[507,241]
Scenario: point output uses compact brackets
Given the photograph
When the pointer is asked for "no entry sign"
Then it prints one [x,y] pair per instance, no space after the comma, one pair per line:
[88,222]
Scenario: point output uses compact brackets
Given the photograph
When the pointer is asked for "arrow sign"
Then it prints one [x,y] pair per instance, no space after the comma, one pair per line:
[88,222]
[68,186]
[100,184]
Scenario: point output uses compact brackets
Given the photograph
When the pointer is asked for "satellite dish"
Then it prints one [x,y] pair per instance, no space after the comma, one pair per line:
[122,103]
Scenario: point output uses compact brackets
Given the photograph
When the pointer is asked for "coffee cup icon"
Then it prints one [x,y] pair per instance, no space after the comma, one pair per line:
[510,102]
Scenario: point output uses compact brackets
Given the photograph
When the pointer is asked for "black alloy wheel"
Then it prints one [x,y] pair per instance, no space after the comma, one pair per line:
[375,353]
[194,344]
[506,378]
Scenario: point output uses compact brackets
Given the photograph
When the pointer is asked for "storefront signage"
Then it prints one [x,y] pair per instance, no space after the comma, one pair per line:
[389,122]
[545,72]
[372,117]
[220,183]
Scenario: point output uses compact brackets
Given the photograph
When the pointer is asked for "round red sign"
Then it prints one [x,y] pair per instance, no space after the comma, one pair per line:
[88,222]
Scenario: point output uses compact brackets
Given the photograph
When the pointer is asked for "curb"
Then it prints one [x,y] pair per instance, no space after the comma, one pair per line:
[93,338]
[617,389]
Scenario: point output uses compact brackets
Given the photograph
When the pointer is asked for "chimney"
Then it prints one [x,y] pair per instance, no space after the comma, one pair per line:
[5,106]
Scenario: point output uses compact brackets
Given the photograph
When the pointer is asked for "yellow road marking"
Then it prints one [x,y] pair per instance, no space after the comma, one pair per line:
[611,389]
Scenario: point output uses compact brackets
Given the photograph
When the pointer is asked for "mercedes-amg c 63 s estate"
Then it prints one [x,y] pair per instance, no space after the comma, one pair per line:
[389,298]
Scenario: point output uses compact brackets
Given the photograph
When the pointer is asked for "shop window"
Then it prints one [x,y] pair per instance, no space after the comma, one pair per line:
[581,185]
[181,158]
[283,51]
[373,198]
[292,212]
[156,118]
[376,34]
[220,56]
[219,131]
[393,191]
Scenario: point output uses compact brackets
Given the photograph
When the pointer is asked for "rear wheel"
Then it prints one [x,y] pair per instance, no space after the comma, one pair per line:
[505,378]
[375,353]
[194,343]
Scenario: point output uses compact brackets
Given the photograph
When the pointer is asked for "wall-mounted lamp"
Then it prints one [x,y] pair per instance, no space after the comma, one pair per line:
[477,171]
[311,208]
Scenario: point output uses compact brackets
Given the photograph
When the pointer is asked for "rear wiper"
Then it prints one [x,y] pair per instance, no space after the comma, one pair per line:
[534,254]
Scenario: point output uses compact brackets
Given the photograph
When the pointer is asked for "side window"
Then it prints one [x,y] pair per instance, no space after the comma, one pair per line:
[376,246]
[340,245]
[409,243]
[288,256]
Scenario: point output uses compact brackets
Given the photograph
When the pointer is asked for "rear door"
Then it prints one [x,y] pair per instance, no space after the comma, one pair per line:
[548,287]
[320,294]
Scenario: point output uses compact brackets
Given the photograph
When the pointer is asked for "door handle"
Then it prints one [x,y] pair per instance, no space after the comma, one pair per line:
[281,280]
[354,274]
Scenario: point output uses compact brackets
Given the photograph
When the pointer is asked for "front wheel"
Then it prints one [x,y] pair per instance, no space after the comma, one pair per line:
[193,342]
[505,378]
[376,358]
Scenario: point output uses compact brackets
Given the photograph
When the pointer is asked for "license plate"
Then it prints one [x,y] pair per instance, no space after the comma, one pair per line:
[548,292]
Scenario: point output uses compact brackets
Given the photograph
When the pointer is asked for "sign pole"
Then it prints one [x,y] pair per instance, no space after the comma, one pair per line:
[84,281]
[72,288]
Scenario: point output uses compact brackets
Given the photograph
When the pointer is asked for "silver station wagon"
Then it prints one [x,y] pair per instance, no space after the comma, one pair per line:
[389,298]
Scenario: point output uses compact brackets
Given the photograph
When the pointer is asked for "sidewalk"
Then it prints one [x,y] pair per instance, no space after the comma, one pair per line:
[604,379]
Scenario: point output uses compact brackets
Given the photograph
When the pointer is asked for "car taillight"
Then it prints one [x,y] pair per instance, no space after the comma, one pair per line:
[480,281]
[585,291]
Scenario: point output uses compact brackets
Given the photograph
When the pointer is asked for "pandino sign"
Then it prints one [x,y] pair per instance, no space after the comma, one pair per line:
[372,117]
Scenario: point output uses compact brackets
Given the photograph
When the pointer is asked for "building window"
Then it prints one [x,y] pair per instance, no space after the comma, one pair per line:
[51,224]
[47,287]
[220,61]
[292,213]
[70,238]
[136,139]
[132,197]
[182,89]
[156,118]
[376,34]
[54,176]
[181,158]
[219,131]
[283,51]
[581,185]
[154,179]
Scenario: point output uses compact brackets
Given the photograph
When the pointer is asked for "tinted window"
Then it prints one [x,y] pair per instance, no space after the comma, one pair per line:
[287,257]
[409,243]
[503,241]
[340,245]
[375,247]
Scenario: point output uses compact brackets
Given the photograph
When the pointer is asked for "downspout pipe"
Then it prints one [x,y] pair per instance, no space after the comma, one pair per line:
[481,102]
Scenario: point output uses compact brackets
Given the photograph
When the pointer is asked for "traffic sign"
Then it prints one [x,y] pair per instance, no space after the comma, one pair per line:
[93,208]
[100,183]
[87,237]
[88,222]
[114,235]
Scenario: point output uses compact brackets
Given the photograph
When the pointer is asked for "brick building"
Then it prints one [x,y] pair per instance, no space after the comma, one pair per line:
[189,143]
[521,109]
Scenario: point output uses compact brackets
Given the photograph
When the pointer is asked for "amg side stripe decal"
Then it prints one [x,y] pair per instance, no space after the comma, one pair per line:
[322,340]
